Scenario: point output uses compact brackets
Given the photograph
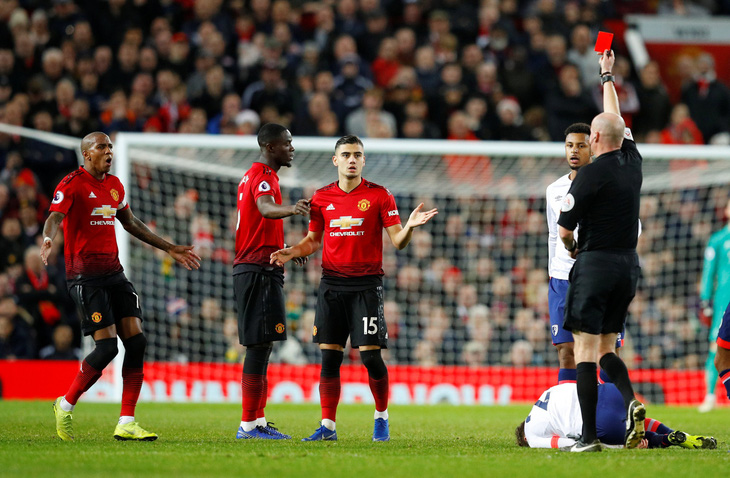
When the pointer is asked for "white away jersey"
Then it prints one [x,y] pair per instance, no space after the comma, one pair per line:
[559,260]
[554,417]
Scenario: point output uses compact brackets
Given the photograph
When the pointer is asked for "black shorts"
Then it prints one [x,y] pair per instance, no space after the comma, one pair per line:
[602,285]
[354,313]
[104,301]
[260,306]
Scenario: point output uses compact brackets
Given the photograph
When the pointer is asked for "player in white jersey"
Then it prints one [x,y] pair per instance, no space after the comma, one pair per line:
[555,422]
[577,154]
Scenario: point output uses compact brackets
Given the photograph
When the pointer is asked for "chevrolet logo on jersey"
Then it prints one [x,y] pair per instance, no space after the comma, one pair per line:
[105,211]
[346,222]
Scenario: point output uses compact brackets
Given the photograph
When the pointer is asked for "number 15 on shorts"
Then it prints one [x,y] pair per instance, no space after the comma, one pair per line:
[369,325]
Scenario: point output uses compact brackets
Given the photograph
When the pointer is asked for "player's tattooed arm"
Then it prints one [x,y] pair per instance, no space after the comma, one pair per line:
[50,228]
[270,210]
[182,254]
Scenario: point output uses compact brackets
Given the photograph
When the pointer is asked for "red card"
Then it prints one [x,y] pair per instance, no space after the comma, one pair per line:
[603,42]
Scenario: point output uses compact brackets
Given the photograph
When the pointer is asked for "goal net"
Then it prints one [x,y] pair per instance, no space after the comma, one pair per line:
[466,301]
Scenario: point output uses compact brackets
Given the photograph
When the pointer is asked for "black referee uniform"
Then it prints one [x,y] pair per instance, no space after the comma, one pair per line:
[604,200]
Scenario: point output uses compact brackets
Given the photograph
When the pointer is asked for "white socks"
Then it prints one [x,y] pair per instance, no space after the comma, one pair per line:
[124,419]
[248,426]
[383,414]
[65,406]
[261,422]
[328,424]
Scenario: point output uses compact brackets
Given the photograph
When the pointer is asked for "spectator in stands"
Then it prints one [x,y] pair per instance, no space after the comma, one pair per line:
[350,84]
[567,102]
[681,129]
[62,347]
[708,99]
[270,90]
[520,354]
[386,64]
[16,339]
[225,122]
[372,105]
[38,295]
[474,354]
[654,102]
[211,98]
[581,54]
[511,126]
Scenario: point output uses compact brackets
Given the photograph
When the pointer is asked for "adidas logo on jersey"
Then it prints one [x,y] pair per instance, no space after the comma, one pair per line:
[92,195]
[330,208]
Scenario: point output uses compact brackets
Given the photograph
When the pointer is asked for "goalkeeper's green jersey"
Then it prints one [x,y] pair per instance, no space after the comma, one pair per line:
[715,284]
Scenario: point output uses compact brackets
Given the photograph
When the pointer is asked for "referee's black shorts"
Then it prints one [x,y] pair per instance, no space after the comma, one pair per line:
[354,313]
[260,307]
[602,285]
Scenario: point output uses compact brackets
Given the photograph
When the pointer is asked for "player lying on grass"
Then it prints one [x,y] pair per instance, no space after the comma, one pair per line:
[555,421]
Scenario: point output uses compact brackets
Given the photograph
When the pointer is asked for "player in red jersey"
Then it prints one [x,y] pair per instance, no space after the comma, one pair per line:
[87,202]
[257,285]
[347,219]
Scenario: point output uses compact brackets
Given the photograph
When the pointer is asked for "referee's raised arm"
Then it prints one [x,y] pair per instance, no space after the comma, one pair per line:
[604,200]
[610,98]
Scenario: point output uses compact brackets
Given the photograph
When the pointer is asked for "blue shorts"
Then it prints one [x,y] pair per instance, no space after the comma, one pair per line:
[557,291]
[723,335]
[610,415]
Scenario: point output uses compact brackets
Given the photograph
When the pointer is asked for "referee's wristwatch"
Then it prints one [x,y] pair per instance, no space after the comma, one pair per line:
[606,76]
[575,246]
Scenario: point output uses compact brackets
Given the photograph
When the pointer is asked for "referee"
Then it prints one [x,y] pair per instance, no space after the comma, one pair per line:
[604,200]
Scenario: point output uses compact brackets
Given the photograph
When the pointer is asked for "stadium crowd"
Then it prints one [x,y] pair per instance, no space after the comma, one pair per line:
[472,289]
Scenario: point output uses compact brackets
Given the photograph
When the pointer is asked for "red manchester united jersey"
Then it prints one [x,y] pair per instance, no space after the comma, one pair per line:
[353,227]
[90,207]
[256,236]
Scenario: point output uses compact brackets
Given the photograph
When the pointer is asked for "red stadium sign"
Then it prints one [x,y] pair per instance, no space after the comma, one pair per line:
[213,382]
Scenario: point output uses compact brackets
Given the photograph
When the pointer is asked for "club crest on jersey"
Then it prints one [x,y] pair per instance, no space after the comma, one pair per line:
[264,186]
[96,317]
[568,203]
[314,330]
[115,194]
[57,198]
[279,328]
[554,327]
[363,205]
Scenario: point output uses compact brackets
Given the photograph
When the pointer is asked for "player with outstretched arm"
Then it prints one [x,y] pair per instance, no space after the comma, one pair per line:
[347,219]
[257,285]
[88,202]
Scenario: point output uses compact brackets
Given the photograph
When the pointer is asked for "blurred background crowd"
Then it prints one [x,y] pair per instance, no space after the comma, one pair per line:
[470,290]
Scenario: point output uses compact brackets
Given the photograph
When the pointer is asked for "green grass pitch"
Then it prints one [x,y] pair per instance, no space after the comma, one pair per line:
[198,440]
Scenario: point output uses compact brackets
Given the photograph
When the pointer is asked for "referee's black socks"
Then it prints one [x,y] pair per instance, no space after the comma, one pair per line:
[619,374]
[588,398]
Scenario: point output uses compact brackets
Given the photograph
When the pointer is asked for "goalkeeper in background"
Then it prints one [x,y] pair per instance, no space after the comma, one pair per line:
[714,298]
